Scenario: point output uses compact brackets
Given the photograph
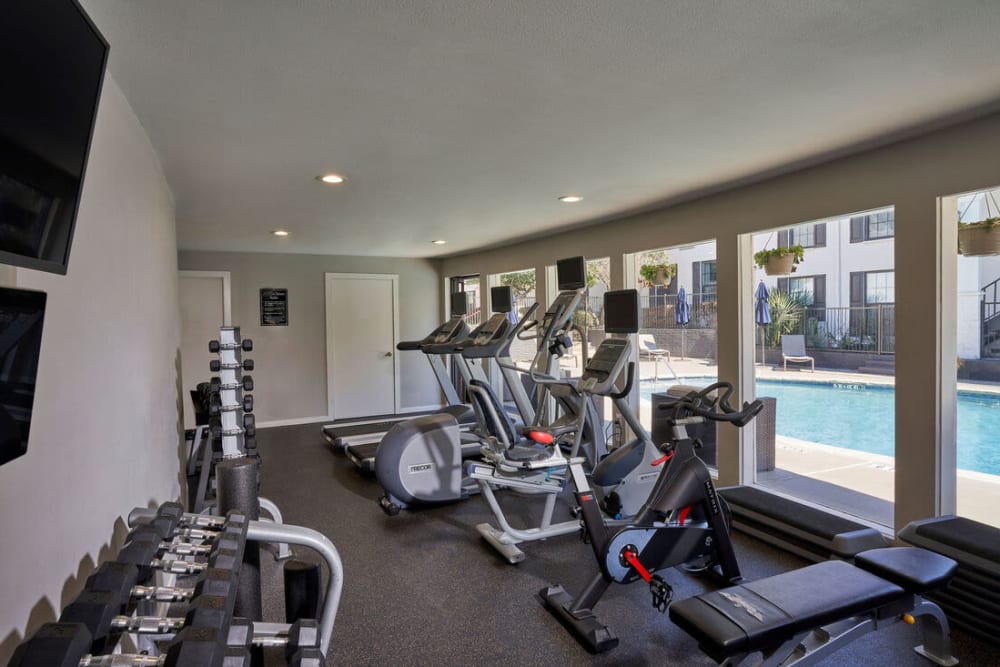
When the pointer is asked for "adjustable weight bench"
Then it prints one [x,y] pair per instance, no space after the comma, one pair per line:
[803,616]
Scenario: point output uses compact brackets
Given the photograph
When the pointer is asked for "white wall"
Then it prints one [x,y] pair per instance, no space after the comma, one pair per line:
[104,432]
[290,362]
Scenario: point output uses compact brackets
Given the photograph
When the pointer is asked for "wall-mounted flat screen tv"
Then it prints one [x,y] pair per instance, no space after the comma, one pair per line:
[52,62]
[21,315]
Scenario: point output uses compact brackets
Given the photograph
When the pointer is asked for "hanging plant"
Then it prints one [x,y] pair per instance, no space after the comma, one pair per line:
[980,238]
[779,261]
[657,274]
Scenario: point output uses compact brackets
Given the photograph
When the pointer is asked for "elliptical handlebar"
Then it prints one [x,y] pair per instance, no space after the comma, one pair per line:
[717,409]
[629,380]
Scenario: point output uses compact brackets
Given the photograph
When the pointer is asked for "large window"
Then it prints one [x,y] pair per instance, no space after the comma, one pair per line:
[522,283]
[977,404]
[677,338]
[828,436]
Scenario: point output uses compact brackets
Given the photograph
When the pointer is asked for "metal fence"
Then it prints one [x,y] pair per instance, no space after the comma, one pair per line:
[660,311]
[870,329]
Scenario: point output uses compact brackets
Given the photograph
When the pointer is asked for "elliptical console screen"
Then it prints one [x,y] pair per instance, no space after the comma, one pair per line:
[502,299]
[571,273]
[621,311]
[459,304]
[21,315]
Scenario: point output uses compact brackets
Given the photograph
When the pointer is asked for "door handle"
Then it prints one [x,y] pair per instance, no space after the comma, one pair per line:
[388,354]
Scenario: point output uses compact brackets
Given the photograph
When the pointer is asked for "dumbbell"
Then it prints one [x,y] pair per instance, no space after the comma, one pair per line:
[249,425]
[68,645]
[214,346]
[120,579]
[248,403]
[144,547]
[215,365]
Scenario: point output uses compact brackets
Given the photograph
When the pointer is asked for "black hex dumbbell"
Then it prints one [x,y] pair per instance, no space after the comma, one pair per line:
[247,383]
[249,425]
[213,346]
[215,384]
[54,644]
[248,364]
[248,403]
[214,365]
[247,345]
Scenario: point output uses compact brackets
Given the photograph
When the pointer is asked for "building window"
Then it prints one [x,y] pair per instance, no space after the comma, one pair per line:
[810,235]
[881,225]
[811,290]
[880,287]
[709,285]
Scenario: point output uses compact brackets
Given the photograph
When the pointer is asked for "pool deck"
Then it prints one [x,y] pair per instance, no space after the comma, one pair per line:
[851,482]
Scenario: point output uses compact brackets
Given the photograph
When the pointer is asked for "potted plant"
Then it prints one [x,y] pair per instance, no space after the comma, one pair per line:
[779,261]
[657,274]
[978,239]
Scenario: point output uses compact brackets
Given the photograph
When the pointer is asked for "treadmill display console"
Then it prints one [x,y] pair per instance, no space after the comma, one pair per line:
[605,366]
[489,330]
[445,332]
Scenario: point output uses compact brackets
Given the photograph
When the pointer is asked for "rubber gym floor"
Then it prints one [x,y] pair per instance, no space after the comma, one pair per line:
[423,588]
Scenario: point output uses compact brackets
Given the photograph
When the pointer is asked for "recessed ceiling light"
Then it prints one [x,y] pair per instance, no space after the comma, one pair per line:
[280,232]
[331,179]
[570,199]
[438,241]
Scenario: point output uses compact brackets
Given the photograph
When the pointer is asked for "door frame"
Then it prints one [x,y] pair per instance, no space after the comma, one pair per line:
[227,299]
[329,281]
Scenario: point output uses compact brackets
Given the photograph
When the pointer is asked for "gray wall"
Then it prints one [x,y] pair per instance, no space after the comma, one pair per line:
[911,175]
[104,433]
[290,362]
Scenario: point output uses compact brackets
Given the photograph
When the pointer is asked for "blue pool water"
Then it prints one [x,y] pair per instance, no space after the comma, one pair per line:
[862,417]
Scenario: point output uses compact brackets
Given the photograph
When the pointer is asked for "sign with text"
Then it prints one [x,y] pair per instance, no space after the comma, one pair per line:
[273,307]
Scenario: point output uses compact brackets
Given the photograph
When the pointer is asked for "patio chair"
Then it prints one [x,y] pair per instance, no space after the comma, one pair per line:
[793,348]
[649,351]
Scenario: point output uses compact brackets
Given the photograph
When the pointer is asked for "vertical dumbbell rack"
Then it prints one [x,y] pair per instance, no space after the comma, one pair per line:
[231,404]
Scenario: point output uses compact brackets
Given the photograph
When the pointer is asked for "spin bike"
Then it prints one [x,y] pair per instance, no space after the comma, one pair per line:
[683,523]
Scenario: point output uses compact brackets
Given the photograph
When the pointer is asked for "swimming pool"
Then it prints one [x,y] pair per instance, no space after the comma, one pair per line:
[862,417]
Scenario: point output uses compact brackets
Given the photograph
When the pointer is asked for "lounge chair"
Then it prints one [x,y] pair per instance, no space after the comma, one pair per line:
[793,348]
[649,351]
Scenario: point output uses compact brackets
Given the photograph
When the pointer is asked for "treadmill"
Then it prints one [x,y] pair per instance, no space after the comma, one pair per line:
[369,431]
[487,337]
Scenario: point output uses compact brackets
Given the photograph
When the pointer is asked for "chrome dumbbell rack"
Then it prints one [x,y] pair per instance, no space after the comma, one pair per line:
[231,404]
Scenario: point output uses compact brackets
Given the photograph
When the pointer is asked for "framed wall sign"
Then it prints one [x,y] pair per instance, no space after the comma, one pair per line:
[273,307]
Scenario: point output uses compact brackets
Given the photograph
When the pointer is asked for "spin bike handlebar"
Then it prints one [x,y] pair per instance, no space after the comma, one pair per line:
[717,409]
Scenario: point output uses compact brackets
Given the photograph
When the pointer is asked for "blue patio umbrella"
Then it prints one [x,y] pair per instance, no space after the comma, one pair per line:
[762,313]
[682,315]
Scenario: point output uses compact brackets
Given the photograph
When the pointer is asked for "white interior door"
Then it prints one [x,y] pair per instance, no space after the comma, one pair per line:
[204,302]
[361,334]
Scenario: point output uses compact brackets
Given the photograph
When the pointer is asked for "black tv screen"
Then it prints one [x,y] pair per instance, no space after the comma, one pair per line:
[502,299]
[571,273]
[459,304]
[21,315]
[621,311]
[53,61]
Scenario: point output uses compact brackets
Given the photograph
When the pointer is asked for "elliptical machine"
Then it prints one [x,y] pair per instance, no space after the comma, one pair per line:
[419,461]
[683,523]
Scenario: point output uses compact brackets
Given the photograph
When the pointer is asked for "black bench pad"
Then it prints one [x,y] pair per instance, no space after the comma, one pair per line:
[762,614]
[916,570]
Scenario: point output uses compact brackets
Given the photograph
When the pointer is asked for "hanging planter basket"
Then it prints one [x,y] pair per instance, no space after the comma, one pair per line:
[979,241]
[982,238]
[780,265]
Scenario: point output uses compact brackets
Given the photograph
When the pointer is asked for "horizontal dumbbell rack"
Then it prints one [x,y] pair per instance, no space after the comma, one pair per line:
[198,627]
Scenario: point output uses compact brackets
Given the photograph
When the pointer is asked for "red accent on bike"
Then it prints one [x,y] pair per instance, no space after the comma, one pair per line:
[662,459]
[684,514]
[633,560]
[541,437]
